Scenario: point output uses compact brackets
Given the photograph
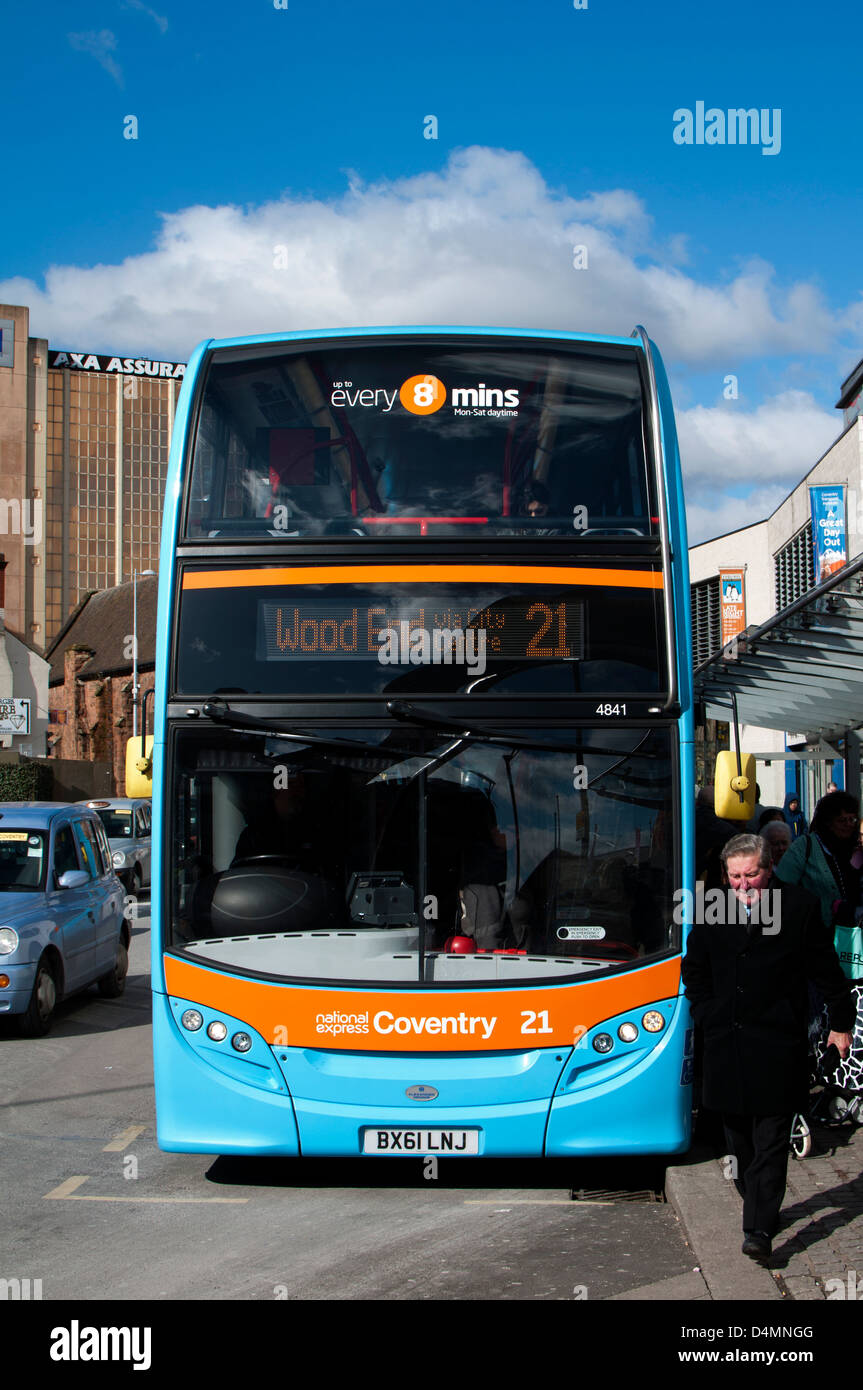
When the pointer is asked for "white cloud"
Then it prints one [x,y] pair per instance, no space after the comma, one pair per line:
[483,241]
[762,453]
[159,20]
[782,437]
[714,513]
[100,46]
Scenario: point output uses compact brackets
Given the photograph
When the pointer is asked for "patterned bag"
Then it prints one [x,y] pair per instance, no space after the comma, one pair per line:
[848,1074]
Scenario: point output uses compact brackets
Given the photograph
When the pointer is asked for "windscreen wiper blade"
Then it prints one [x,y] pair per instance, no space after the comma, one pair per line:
[409,714]
[221,713]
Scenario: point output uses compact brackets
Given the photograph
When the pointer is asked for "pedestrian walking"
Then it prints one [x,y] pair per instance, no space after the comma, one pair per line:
[778,836]
[794,816]
[823,860]
[746,981]
[829,862]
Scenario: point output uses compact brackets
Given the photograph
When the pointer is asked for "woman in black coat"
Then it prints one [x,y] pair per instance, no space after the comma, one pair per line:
[746,982]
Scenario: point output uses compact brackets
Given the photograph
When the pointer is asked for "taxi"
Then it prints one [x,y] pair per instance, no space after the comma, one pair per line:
[127,824]
[62,923]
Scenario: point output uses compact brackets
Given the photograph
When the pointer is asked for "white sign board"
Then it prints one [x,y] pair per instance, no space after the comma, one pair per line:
[14,716]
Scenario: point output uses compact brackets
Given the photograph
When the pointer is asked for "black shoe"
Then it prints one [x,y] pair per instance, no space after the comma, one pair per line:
[757,1246]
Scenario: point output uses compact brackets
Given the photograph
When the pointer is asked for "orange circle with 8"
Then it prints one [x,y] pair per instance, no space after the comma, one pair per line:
[422,395]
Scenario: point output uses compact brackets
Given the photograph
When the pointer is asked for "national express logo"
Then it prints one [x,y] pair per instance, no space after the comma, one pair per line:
[423,395]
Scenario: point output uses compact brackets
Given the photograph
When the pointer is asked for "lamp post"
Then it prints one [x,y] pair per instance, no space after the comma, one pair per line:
[144,573]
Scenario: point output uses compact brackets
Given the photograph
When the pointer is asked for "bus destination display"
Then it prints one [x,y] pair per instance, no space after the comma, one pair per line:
[428,632]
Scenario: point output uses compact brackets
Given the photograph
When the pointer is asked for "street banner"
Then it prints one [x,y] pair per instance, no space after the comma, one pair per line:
[828,529]
[732,602]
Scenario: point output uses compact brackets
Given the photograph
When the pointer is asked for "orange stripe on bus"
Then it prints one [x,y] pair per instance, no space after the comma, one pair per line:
[536,1016]
[426,574]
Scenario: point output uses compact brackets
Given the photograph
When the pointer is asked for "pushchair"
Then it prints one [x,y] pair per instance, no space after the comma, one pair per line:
[840,1099]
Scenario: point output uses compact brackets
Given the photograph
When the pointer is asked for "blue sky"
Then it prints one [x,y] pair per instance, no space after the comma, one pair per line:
[303,128]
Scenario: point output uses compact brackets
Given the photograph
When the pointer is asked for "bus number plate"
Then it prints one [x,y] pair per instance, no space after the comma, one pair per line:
[420,1141]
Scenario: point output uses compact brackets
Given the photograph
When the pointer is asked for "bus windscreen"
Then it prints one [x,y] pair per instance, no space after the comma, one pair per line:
[405,856]
[430,440]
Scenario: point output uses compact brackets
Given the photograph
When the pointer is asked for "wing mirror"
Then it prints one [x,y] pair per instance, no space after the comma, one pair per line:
[73,878]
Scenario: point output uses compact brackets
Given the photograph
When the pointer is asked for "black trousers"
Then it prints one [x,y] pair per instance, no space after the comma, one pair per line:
[760,1144]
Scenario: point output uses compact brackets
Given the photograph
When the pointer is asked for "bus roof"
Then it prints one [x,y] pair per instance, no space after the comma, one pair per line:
[415,330]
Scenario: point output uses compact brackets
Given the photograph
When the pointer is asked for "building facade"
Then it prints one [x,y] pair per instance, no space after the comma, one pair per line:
[91,675]
[84,444]
[776,562]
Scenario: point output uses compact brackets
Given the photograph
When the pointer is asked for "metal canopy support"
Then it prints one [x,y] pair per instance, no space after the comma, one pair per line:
[853,743]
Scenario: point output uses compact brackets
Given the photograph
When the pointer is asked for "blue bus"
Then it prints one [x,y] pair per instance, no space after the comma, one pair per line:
[422,748]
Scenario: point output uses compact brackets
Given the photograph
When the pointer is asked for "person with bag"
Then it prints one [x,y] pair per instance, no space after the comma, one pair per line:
[828,862]
[822,860]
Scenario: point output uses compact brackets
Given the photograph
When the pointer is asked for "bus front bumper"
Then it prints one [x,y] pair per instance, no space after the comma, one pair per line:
[553,1102]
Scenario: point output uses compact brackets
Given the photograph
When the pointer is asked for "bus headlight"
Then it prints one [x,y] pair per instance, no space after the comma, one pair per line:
[193,1020]
[8,941]
[217,1030]
[653,1021]
[603,1042]
[241,1041]
[627,1032]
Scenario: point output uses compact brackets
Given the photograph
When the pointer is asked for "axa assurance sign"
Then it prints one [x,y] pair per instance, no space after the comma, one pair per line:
[103,365]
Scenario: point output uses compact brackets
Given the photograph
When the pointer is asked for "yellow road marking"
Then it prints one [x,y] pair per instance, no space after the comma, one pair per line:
[117,1145]
[65,1189]
[66,1192]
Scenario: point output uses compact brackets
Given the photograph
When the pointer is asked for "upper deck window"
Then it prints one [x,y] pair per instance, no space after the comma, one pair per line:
[420,439]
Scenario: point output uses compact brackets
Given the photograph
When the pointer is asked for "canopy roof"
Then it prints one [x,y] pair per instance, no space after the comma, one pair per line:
[802,671]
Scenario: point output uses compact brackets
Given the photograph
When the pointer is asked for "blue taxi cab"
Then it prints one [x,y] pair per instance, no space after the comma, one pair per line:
[62,924]
[127,824]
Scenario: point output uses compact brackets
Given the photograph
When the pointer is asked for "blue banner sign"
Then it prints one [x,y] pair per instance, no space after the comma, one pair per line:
[828,529]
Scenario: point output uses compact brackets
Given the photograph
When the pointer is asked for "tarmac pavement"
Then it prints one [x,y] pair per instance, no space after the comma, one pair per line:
[818,1252]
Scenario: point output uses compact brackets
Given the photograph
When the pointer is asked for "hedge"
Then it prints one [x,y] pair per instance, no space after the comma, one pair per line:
[26,782]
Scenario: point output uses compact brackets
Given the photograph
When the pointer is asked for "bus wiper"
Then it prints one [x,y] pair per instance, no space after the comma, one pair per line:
[409,714]
[221,713]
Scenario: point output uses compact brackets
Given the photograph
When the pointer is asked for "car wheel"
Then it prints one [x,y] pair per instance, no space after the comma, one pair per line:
[43,1001]
[113,982]
[136,882]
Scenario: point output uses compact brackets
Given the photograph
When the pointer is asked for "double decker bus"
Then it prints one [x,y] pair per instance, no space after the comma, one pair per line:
[422,749]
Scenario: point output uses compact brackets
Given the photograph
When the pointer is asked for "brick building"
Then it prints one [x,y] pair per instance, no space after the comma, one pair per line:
[84,442]
[90,695]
